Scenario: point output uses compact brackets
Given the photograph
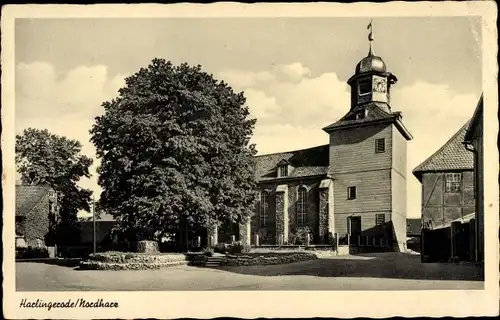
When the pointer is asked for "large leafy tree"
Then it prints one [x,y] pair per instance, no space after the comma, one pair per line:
[175,152]
[45,158]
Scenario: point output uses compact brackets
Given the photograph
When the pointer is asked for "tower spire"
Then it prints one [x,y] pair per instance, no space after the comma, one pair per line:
[370,36]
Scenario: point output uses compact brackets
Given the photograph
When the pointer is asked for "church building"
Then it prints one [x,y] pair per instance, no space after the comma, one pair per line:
[355,184]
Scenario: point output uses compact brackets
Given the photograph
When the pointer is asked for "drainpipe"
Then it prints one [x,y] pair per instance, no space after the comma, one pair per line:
[470,147]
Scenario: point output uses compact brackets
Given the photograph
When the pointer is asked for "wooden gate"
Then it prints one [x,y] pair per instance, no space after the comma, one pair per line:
[436,245]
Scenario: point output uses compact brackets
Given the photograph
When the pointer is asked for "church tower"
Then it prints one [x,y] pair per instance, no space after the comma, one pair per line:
[367,159]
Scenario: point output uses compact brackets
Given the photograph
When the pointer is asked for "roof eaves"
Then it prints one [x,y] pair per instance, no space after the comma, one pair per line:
[291,178]
[475,119]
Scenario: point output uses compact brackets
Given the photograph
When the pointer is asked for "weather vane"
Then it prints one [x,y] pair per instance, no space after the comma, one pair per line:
[370,35]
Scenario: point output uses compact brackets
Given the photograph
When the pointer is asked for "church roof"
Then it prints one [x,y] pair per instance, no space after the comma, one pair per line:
[451,156]
[306,162]
[27,197]
[374,112]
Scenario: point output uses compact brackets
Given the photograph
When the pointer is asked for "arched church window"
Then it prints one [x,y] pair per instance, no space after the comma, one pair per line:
[301,206]
[264,208]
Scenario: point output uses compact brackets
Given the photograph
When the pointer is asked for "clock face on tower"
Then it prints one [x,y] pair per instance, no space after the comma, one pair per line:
[379,84]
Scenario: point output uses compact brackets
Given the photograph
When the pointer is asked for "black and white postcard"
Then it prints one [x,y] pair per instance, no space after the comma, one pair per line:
[250,160]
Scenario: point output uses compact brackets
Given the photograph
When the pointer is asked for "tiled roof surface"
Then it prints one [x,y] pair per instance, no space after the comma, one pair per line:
[413,226]
[306,162]
[451,156]
[28,197]
[374,113]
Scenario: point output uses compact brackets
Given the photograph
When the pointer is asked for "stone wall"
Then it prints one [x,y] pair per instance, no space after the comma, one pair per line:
[37,223]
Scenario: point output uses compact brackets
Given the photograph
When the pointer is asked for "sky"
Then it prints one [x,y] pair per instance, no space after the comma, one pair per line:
[293,72]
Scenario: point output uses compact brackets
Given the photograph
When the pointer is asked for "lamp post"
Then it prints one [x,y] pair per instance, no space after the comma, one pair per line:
[93,223]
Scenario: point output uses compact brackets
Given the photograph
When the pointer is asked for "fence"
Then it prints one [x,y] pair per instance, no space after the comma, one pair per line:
[365,243]
[452,242]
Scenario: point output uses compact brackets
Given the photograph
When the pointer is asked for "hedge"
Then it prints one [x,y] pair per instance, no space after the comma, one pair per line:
[269,260]
[128,257]
[97,265]
[132,261]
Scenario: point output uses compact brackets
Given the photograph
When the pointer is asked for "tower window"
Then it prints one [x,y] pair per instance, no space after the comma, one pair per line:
[380,146]
[453,182]
[364,87]
[379,219]
[351,193]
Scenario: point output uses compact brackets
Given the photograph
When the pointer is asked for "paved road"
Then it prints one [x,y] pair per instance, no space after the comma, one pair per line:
[375,272]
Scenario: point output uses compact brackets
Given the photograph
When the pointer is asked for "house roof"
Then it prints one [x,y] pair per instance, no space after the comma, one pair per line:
[475,121]
[305,163]
[451,156]
[27,197]
[413,226]
[463,219]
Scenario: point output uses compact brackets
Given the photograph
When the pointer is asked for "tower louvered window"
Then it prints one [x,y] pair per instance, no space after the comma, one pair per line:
[380,146]
[301,206]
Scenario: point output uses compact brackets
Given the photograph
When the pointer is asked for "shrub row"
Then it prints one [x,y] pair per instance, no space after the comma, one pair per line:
[31,253]
[224,248]
[261,260]
[127,257]
[98,265]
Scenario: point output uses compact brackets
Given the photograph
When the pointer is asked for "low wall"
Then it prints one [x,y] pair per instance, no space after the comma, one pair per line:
[132,261]
[270,260]
[292,248]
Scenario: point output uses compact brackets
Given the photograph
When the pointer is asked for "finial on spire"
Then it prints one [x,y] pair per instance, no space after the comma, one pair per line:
[370,36]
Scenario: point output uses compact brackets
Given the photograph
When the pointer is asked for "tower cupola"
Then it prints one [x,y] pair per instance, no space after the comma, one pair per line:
[371,82]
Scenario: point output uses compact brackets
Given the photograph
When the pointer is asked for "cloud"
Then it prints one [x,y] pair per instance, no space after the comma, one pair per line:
[66,104]
[40,91]
[290,104]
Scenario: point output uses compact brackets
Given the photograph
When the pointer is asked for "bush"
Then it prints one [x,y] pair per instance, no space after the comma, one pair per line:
[299,237]
[127,257]
[270,259]
[238,247]
[98,265]
[33,253]
[220,248]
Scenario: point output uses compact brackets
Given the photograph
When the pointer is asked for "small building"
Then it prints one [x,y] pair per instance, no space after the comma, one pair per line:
[36,211]
[103,227]
[473,141]
[447,178]
[451,201]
